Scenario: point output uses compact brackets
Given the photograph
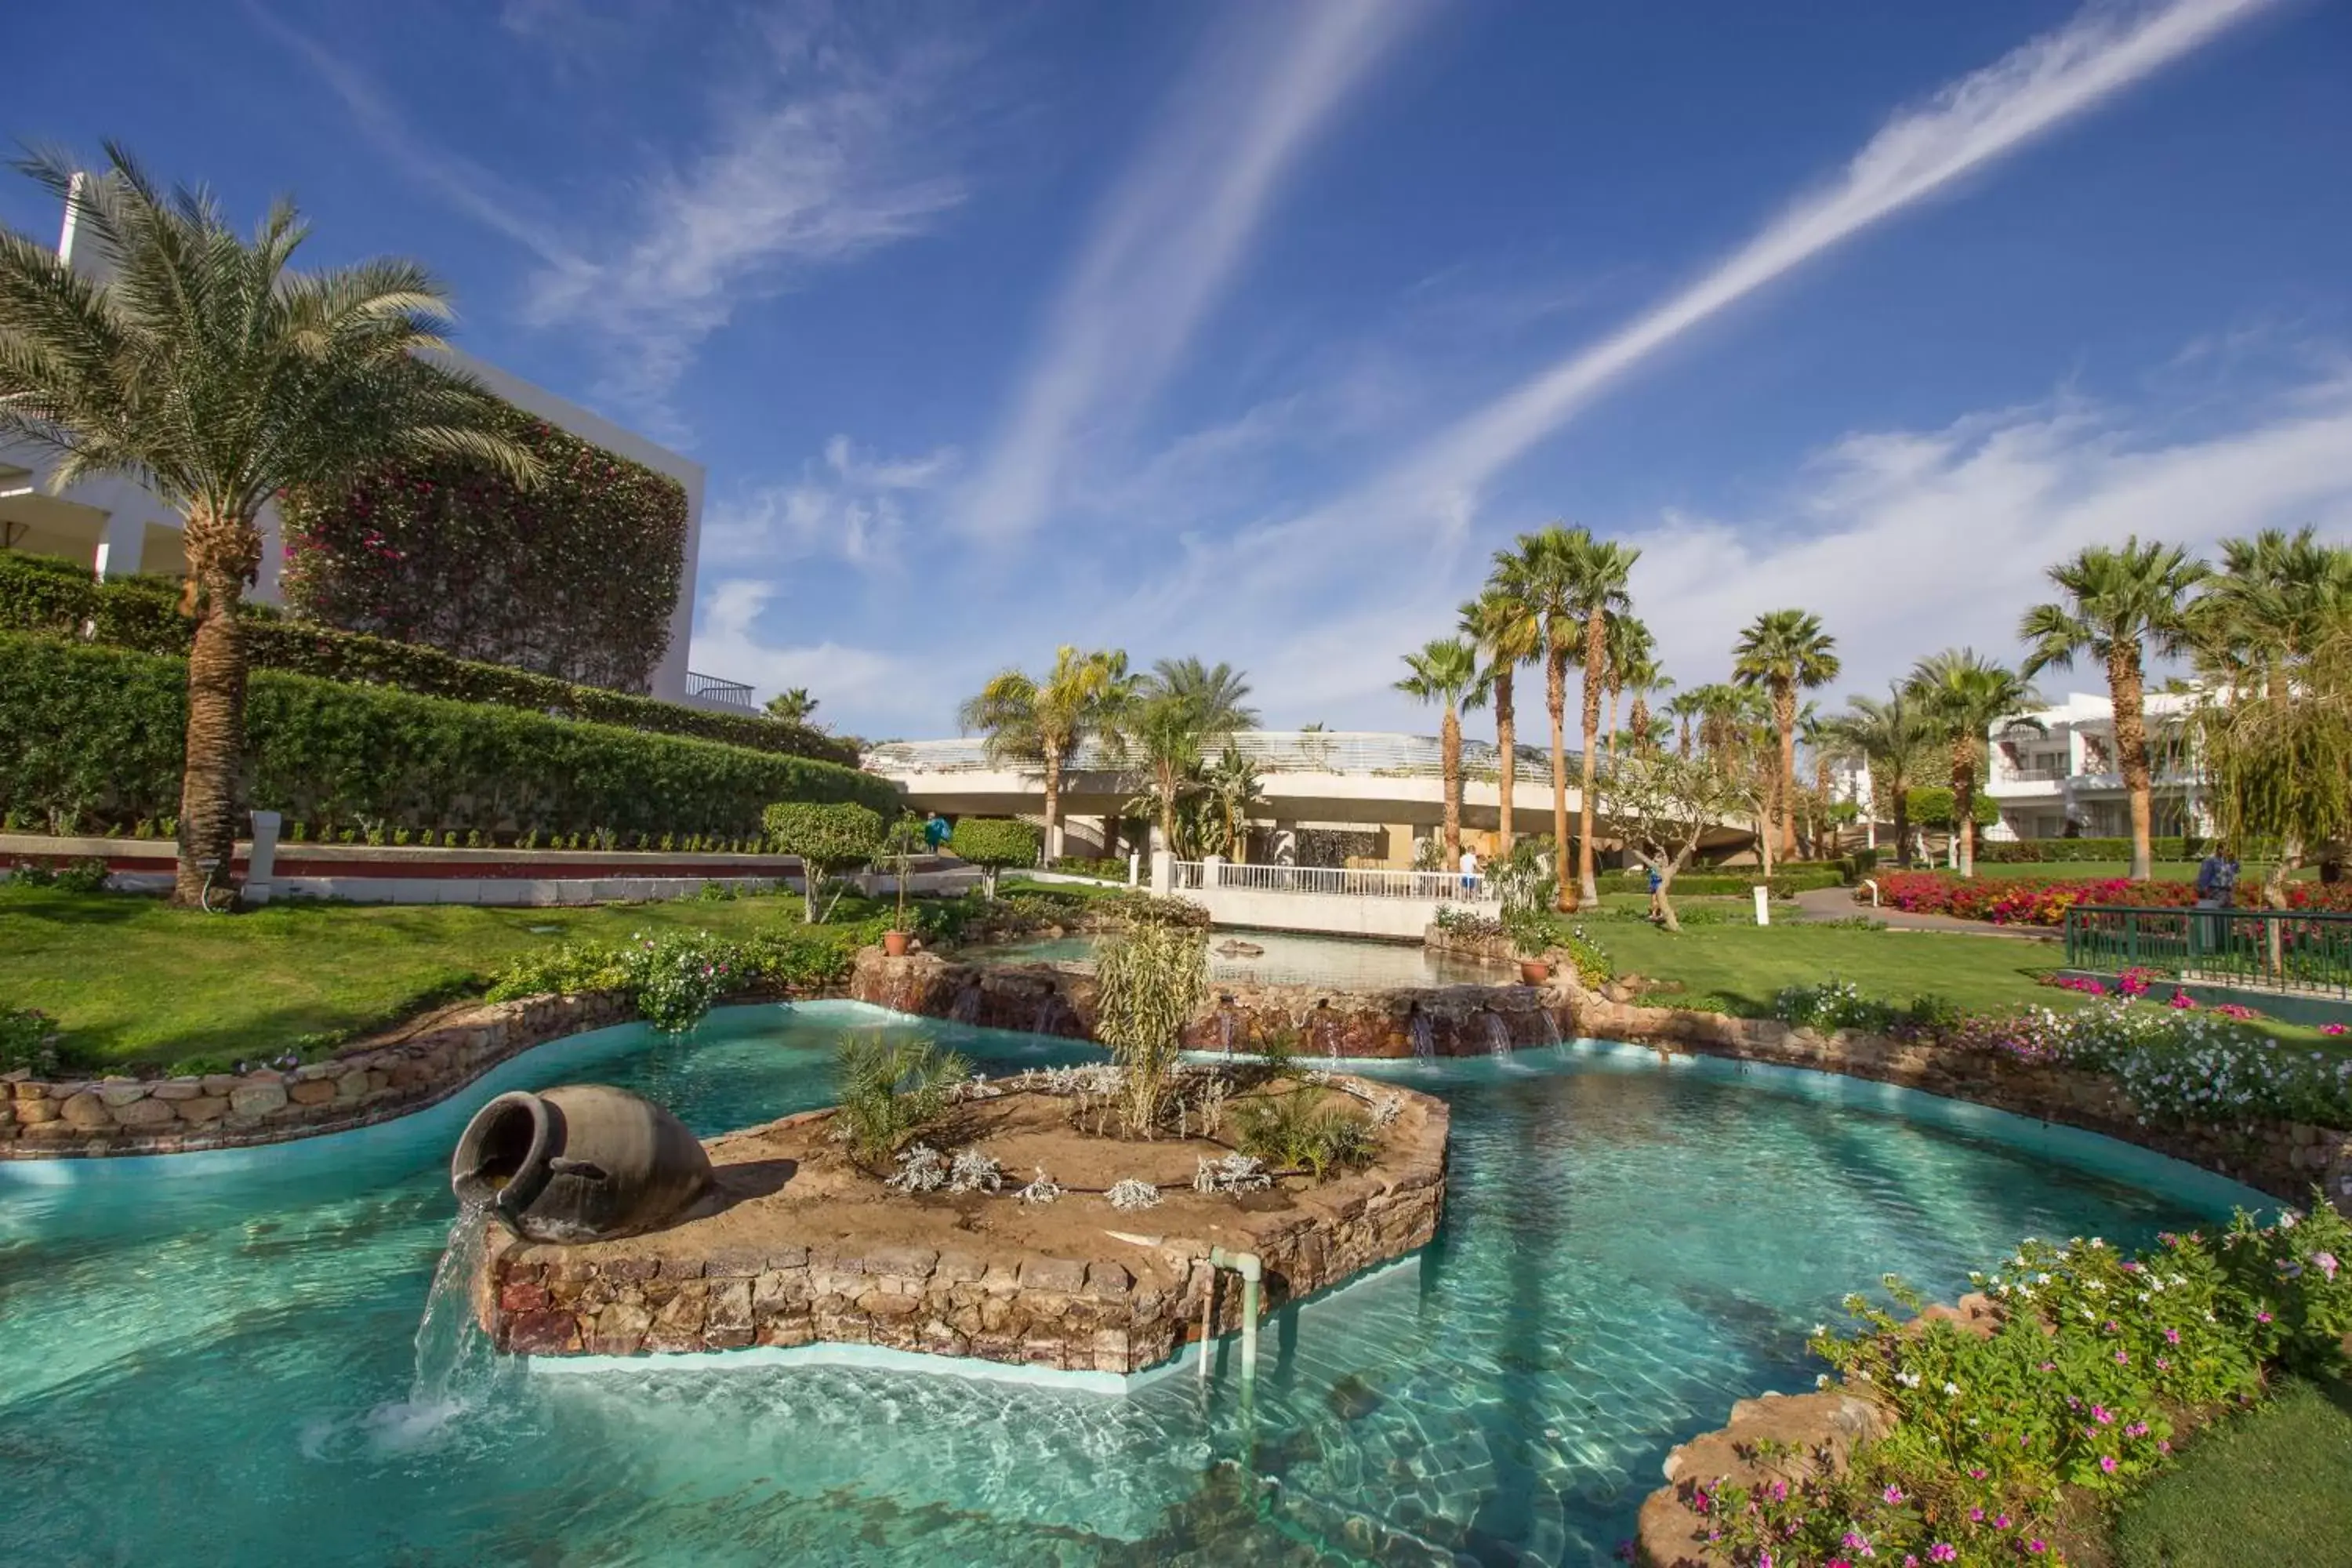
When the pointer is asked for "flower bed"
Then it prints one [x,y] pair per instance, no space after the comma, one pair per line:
[2044,902]
[2074,1372]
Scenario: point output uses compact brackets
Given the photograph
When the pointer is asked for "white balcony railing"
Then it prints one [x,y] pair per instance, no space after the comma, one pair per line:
[1329,881]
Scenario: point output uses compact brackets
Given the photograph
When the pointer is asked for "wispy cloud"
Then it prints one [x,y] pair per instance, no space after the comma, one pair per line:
[834,153]
[847,504]
[1969,125]
[824,142]
[1174,230]
[857,685]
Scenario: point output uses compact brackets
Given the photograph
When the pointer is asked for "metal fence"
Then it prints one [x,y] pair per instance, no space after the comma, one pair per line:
[1364,754]
[2300,951]
[1331,882]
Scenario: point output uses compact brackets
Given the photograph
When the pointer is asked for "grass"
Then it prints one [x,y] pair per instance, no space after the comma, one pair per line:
[133,982]
[1739,969]
[2268,1487]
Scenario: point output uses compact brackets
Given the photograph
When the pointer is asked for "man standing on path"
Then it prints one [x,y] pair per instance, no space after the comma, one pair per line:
[2216,889]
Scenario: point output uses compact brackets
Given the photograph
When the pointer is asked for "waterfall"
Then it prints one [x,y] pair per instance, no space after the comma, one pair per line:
[1049,1012]
[965,1009]
[1226,1030]
[454,1357]
[1331,1036]
[1551,1026]
[1498,1033]
[1423,1035]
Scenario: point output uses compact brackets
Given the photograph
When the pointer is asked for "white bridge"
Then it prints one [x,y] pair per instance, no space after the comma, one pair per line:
[1334,903]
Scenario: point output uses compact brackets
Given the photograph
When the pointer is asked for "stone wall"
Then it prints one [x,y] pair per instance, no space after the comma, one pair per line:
[1059,999]
[366,1083]
[2284,1159]
[1127,1304]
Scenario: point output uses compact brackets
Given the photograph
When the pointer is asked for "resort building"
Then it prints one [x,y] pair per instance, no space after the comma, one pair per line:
[117,527]
[2059,774]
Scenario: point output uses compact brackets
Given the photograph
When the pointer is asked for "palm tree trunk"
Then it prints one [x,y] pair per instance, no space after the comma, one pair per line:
[1167,772]
[1450,762]
[1784,715]
[1506,734]
[1964,804]
[1556,698]
[1902,817]
[1052,847]
[1596,659]
[215,736]
[1686,735]
[2125,687]
[1615,693]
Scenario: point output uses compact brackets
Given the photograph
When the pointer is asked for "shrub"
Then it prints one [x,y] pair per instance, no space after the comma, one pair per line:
[1136,909]
[2096,1358]
[60,599]
[1110,868]
[1148,980]
[1305,1130]
[92,736]
[674,980]
[2044,902]
[1932,806]
[827,836]
[1832,1005]
[993,842]
[2034,851]
[890,1090]
[29,1042]
[1784,884]
[1467,922]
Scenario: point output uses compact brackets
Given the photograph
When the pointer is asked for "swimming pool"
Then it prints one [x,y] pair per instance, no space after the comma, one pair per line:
[1288,958]
[208,1358]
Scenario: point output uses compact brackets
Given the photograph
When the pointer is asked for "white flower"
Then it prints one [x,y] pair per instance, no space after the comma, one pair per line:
[1820,1380]
[1951,1391]
[1908,1379]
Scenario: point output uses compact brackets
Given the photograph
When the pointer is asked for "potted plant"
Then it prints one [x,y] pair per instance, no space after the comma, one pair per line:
[904,842]
[1530,939]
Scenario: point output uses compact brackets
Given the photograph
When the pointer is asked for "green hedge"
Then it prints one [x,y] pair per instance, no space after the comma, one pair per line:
[91,738]
[59,598]
[2036,851]
[1704,884]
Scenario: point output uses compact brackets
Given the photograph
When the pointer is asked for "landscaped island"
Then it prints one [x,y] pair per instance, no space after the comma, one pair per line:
[1042,1242]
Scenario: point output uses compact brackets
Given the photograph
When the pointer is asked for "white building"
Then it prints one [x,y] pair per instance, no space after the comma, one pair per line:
[121,530]
[2068,771]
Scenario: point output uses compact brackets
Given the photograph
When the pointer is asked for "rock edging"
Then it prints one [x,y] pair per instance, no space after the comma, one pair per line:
[360,1087]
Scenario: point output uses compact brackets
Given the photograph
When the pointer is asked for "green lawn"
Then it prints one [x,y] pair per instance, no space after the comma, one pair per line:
[1740,969]
[133,981]
[2273,1486]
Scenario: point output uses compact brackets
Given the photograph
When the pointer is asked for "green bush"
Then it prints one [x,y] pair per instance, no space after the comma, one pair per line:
[59,598]
[1304,1130]
[28,1041]
[93,737]
[890,1090]
[828,837]
[1930,806]
[1704,884]
[2036,851]
[993,842]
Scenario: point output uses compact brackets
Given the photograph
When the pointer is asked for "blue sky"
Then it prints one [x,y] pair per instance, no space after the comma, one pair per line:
[1250,330]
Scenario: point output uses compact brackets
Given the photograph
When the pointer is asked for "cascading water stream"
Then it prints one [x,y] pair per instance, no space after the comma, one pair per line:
[1498,1033]
[454,1360]
[1423,1035]
[966,1007]
[1550,1025]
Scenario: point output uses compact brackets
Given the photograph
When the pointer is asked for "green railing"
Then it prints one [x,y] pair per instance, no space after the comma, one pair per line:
[2299,951]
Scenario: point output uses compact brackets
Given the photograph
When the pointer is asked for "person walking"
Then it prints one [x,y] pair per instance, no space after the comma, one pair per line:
[1470,872]
[2216,889]
[1657,903]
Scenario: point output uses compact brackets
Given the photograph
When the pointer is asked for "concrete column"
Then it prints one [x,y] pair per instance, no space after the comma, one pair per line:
[262,859]
[121,545]
[1212,871]
[1163,872]
[1134,869]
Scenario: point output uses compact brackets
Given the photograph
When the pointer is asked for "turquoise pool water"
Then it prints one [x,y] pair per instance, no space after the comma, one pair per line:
[1289,958]
[209,1358]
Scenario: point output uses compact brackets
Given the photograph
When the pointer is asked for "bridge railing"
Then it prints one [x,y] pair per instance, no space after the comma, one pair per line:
[1329,881]
[2302,951]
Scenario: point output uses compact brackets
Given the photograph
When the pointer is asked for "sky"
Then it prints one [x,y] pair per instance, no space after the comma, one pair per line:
[1251,330]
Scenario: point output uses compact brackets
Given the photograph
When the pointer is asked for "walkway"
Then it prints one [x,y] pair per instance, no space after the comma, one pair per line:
[1837,904]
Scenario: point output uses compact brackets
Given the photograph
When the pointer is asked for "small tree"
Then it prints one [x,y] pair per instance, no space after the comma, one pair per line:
[992,843]
[1149,978]
[1665,804]
[901,842]
[827,838]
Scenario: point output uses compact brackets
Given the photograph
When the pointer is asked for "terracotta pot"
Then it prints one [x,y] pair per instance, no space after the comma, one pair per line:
[1534,971]
[894,942]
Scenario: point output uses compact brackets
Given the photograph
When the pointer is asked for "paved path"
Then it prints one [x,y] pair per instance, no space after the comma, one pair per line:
[1837,904]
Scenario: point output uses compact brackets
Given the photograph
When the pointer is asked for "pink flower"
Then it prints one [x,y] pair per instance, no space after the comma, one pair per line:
[2173,1336]
[2037,1544]
[2336,1028]
[2123,1358]
[2262,1317]
[1892,1494]
[2181,1003]
[2325,1263]
[2107,1463]
[2000,1521]
[1943,1552]
[2137,1429]
[2102,1415]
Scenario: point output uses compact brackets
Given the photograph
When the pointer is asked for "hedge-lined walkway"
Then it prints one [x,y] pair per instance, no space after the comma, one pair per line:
[133,982]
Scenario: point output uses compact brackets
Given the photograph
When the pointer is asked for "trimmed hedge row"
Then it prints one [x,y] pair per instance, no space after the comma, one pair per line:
[2034,851]
[91,738]
[58,598]
[1704,884]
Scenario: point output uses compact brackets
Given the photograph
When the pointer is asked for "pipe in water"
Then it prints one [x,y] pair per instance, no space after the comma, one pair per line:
[1252,1270]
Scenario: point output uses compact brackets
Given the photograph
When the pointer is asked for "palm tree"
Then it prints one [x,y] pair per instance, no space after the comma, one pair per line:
[1892,739]
[1784,651]
[1644,678]
[1232,787]
[1600,591]
[1445,672]
[1508,631]
[2117,602]
[203,365]
[2277,596]
[1214,694]
[1685,708]
[1962,697]
[1165,730]
[794,705]
[1539,573]
[1046,721]
[1631,647]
